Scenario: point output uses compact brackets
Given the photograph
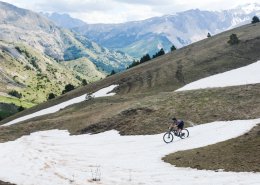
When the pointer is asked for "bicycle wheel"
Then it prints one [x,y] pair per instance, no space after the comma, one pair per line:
[168,137]
[184,133]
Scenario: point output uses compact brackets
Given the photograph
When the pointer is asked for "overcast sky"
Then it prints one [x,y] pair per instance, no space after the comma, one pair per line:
[117,11]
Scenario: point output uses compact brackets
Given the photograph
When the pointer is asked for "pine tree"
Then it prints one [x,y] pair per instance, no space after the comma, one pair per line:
[173,48]
[112,72]
[159,53]
[134,63]
[145,58]
[255,20]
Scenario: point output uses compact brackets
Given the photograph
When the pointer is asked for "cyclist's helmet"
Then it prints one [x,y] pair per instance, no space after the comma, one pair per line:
[174,119]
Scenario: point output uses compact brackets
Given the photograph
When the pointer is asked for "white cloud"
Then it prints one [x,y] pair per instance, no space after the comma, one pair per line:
[117,15]
[115,11]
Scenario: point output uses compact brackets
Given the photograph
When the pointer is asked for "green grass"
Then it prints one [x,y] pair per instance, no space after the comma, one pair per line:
[16,101]
[37,74]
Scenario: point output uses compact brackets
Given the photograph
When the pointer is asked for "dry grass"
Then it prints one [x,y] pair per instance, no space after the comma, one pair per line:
[151,114]
[239,154]
[146,114]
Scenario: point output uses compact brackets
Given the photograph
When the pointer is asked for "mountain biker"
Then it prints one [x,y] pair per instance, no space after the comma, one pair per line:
[179,124]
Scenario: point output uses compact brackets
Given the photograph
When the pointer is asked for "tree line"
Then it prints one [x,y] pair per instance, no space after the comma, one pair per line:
[147,57]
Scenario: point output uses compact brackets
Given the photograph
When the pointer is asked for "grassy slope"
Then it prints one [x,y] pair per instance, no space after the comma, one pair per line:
[201,59]
[35,80]
[85,67]
[146,115]
[16,101]
[239,154]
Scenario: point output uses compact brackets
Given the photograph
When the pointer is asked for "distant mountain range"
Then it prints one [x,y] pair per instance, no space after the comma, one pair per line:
[148,36]
[20,25]
[37,57]
[64,20]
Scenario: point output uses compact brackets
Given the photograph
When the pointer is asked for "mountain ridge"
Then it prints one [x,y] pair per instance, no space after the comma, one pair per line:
[180,29]
[21,25]
[35,53]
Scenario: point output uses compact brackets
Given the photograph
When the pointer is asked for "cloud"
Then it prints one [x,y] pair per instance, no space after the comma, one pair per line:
[115,11]
[146,2]
[117,15]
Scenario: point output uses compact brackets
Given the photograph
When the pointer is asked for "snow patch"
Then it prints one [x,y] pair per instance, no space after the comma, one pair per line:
[55,157]
[105,92]
[249,74]
[100,93]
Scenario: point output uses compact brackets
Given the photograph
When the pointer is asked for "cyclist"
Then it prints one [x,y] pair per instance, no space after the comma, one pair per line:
[179,124]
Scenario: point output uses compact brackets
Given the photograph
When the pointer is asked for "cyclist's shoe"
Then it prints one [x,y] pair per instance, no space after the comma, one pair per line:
[182,134]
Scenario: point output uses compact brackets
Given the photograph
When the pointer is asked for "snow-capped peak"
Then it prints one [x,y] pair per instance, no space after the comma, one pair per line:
[249,8]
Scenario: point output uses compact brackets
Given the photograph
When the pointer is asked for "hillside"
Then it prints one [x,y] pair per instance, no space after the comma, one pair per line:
[224,155]
[33,74]
[64,20]
[38,58]
[60,149]
[24,26]
[85,67]
[148,90]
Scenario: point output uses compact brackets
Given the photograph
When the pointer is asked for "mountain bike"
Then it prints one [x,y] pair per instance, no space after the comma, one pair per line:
[169,135]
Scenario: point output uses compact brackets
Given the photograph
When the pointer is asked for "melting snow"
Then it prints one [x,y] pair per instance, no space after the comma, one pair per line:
[55,157]
[242,76]
[101,93]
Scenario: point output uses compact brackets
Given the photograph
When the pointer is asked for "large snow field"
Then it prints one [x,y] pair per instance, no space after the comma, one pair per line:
[249,74]
[56,158]
[100,93]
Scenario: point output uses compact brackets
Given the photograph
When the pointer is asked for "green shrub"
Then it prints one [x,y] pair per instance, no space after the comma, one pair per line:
[84,82]
[233,39]
[51,96]
[68,88]
[21,108]
[15,94]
